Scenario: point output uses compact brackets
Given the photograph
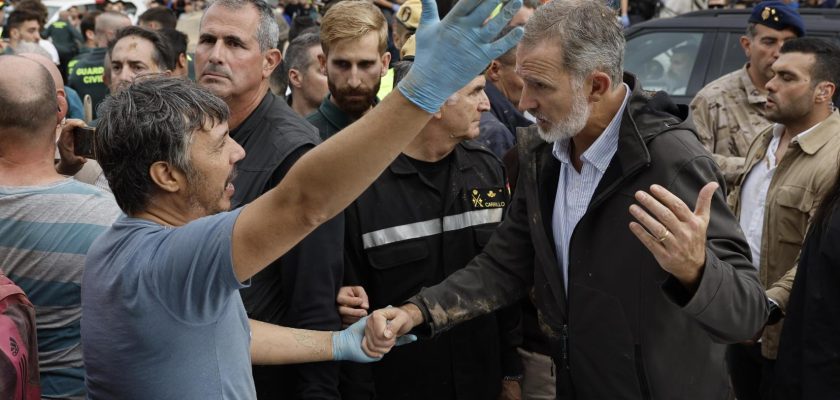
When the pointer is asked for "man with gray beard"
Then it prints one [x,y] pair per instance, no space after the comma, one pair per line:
[637,288]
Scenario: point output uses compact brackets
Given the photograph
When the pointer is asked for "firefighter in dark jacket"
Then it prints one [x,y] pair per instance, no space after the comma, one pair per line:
[424,218]
[637,289]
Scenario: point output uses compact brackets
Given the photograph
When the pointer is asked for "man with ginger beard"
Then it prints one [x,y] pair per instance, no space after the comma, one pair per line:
[354,37]
[236,54]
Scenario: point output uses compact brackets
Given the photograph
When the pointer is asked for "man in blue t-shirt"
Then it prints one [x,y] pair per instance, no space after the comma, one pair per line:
[163,316]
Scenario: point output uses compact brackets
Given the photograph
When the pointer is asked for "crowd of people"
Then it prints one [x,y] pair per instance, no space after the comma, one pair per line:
[411,200]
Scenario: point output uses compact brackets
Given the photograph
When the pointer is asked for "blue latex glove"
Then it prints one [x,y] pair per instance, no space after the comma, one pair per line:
[450,53]
[625,21]
[347,344]
[395,7]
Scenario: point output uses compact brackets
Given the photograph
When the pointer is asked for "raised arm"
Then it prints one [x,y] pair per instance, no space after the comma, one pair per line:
[332,175]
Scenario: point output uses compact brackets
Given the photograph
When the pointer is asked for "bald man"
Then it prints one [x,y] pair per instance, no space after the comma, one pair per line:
[69,215]
[87,171]
[85,73]
[29,51]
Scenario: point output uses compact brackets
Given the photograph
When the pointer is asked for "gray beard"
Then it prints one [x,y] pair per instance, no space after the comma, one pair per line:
[570,126]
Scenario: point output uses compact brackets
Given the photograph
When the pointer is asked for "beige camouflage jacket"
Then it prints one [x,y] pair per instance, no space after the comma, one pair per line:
[729,114]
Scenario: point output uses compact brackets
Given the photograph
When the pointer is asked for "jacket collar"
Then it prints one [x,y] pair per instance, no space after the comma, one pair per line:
[646,115]
[334,115]
[821,134]
[460,159]
[248,126]
[337,118]
[754,96]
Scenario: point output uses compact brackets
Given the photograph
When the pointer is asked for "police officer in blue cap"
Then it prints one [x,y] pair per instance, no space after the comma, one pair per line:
[729,112]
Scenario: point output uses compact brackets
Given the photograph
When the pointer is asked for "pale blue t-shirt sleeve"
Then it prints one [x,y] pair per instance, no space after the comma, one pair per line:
[193,268]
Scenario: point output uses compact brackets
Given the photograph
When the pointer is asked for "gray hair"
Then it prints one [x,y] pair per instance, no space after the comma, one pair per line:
[268,32]
[297,56]
[751,30]
[587,32]
[151,120]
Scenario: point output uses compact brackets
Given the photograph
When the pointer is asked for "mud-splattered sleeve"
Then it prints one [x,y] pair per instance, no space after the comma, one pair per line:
[498,276]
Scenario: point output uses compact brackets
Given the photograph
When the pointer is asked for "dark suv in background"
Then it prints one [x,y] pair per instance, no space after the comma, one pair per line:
[680,55]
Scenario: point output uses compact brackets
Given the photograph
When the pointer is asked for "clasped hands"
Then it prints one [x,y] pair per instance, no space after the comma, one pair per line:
[377,333]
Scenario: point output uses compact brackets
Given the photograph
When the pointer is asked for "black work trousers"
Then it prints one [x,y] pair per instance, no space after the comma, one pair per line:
[751,374]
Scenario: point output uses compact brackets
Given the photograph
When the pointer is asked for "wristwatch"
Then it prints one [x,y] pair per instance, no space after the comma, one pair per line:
[775,312]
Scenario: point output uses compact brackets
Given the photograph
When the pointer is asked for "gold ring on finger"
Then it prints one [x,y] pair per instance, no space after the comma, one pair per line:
[664,236]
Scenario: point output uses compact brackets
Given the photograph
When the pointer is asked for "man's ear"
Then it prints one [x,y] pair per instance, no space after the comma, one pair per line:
[386,61]
[322,62]
[61,97]
[825,92]
[295,78]
[493,73]
[182,61]
[745,44]
[271,60]
[601,85]
[89,35]
[167,178]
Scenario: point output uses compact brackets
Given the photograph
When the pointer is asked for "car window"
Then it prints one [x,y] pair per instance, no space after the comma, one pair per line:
[663,60]
[733,55]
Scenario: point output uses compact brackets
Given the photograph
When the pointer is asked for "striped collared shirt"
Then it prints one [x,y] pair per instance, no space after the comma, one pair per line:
[575,189]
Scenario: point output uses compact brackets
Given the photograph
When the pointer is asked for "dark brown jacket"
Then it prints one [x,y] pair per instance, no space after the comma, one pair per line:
[627,330]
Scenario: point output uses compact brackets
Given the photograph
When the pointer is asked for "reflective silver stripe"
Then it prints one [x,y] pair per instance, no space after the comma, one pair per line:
[431,227]
[472,218]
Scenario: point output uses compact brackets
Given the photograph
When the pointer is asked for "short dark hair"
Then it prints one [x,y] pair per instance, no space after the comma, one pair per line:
[18,17]
[88,22]
[826,59]
[176,40]
[295,58]
[36,7]
[152,119]
[162,15]
[163,53]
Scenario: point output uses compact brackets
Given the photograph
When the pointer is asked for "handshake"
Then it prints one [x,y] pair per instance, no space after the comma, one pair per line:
[369,337]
